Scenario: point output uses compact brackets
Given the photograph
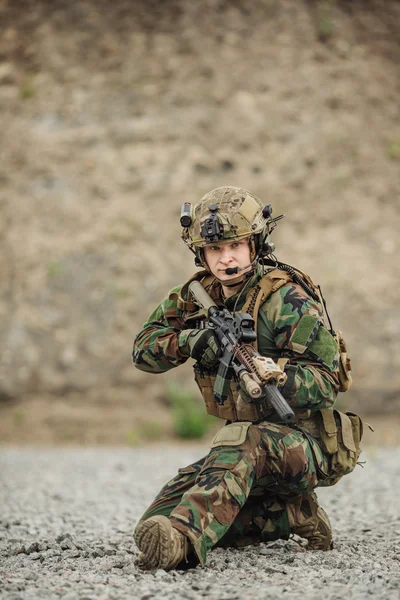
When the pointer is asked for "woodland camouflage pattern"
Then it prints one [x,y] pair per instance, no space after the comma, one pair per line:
[290,325]
[238,494]
[229,498]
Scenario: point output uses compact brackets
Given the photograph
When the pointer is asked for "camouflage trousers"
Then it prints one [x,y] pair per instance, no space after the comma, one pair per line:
[237,494]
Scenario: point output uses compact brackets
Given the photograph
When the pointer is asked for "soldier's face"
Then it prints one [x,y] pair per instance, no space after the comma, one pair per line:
[224,255]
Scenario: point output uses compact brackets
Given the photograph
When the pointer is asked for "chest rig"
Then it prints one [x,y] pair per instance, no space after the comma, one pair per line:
[234,407]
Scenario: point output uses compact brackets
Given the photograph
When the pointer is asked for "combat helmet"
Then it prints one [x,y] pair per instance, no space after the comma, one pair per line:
[227,213]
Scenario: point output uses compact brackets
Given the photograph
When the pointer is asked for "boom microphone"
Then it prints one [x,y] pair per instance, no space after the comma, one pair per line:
[235,270]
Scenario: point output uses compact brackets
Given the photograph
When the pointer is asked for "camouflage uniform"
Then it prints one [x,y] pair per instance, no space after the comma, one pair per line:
[239,492]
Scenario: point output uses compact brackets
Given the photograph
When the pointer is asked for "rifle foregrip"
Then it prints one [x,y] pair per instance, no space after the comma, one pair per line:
[279,404]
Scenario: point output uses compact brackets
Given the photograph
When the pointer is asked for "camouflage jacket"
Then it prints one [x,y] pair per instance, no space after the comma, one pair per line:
[289,325]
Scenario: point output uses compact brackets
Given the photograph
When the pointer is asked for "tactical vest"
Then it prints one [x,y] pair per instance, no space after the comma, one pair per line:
[234,407]
[339,434]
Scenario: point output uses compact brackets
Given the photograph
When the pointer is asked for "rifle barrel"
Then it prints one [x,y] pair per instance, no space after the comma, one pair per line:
[279,404]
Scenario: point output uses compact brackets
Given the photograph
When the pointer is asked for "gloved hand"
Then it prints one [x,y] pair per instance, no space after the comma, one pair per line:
[202,345]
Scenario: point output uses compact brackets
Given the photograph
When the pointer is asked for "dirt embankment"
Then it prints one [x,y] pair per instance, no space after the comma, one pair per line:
[114,113]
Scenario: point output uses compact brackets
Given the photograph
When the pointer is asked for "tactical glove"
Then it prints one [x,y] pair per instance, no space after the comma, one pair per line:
[202,345]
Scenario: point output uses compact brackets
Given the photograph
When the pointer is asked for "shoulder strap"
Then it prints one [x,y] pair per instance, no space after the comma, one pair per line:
[268,284]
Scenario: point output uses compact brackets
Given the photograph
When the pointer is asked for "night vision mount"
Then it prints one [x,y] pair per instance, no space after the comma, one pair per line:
[211,229]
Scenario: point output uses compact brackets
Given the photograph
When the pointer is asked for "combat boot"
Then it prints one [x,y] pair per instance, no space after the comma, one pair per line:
[308,520]
[162,546]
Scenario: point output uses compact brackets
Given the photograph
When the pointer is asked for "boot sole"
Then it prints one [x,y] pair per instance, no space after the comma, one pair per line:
[153,538]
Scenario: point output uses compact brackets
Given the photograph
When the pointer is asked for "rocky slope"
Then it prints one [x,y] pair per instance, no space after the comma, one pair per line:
[114,113]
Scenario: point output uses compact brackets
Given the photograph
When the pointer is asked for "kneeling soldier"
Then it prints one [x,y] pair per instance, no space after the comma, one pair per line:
[256,484]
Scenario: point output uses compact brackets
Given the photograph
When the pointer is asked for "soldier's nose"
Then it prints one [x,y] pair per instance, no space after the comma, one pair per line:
[225,258]
[225,255]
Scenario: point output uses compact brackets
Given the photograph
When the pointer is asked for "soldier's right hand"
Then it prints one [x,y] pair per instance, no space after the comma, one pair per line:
[203,346]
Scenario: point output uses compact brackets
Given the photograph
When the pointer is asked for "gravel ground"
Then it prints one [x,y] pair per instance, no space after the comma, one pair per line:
[67,517]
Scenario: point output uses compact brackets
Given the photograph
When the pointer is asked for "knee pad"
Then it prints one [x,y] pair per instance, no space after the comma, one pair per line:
[232,435]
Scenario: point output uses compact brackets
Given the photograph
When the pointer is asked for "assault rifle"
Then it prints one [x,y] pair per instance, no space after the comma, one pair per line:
[259,375]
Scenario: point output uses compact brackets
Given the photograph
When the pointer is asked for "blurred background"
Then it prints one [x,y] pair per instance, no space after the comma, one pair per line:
[114,113]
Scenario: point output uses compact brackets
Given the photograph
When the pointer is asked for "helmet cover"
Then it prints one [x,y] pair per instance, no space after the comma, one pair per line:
[226,213]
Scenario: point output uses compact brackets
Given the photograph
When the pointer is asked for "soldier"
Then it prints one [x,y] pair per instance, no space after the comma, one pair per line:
[256,484]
